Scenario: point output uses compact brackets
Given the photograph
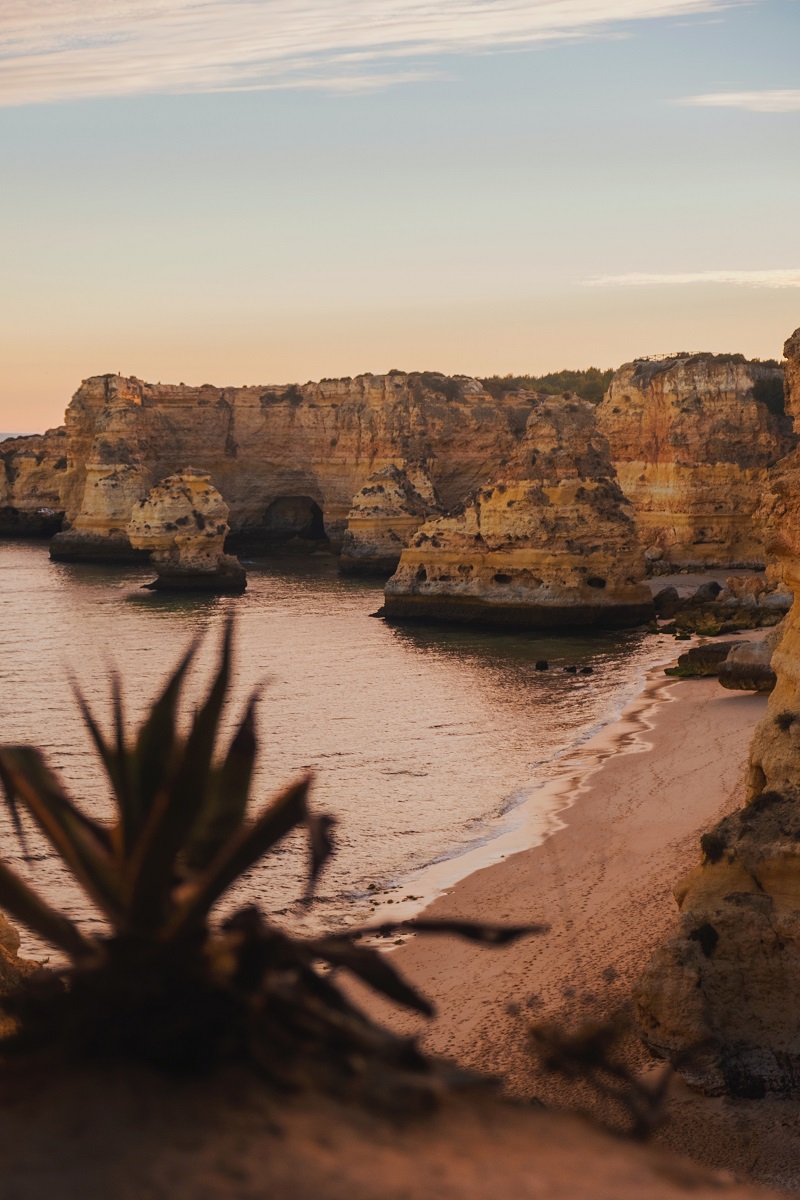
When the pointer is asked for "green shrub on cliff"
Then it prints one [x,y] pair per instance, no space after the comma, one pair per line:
[590,384]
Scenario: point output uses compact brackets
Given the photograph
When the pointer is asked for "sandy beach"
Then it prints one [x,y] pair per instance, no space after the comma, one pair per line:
[634,807]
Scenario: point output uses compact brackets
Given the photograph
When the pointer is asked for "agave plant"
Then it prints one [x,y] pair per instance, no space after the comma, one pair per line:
[165,985]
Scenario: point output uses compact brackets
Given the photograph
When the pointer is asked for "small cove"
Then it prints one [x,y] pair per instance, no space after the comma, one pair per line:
[426,741]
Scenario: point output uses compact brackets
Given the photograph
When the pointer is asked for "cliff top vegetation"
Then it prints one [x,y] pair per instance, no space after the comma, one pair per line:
[590,384]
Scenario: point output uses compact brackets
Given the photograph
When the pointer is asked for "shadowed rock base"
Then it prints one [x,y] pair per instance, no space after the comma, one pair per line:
[473,611]
[229,577]
[378,568]
[43,522]
[748,668]
[78,546]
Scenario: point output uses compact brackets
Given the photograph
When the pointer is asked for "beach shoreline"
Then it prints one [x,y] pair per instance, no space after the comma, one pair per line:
[630,825]
[542,813]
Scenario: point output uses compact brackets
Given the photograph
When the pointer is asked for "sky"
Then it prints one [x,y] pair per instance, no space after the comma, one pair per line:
[270,191]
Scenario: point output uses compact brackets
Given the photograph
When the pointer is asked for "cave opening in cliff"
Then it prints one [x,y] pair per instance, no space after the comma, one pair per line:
[293,519]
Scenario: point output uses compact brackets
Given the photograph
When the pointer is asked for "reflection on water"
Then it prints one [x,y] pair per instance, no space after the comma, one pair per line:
[423,738]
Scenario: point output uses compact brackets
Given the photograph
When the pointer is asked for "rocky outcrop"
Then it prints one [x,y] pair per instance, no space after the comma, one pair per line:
[720,997]
[386,513]
[183,523]
[692,439]
[13,970]
[791,351]
[32,474]
[700,662]
[287,459]
[550,543]
[745,602]
[748,667]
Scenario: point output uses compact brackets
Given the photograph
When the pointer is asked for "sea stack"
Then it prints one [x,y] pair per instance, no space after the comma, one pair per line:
[693,438]
[550,544]
[720,997]
[386,513]
[183,523]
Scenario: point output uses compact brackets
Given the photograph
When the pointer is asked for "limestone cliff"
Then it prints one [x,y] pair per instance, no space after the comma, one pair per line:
[183,523]
[32,474]
[386,513]
[791,352]
[693,438]
[722,993]
[551,542]
[277,454]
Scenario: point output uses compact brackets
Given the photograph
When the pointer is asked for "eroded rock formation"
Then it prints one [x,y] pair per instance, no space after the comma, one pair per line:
[32,474]
[551,542]
[721,995]
[278,454]
[183,523]
[748,667]
[693,438]
[386,513]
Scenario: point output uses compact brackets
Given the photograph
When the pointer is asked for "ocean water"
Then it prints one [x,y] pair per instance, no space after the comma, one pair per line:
[426,741]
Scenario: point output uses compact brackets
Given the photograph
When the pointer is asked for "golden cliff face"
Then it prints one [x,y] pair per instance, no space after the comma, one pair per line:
[320,442]
[728,981]
[551,542]
[32,475]
[692,439]
[386,513]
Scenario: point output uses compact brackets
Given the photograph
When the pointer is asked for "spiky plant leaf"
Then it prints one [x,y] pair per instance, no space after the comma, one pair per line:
[320,837]
[246,846]
[177,804]
[24,905]
[84,845]
[472,931]
[155,747]
[108,754]
[226,800]
[373,968]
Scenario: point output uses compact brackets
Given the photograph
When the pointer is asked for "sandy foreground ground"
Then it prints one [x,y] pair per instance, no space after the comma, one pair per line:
[642,793]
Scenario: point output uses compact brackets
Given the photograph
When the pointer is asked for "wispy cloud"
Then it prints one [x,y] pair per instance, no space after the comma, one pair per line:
[61,49]
[782,278]
[769,100]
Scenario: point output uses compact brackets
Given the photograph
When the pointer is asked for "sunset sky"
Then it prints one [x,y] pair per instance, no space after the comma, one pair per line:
[255,191]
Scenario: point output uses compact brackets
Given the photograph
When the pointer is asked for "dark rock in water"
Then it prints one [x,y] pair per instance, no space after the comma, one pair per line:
[587,670]
[706,594]
[228,577]
[542,665]
[700,661]
[667,602]
[571,670]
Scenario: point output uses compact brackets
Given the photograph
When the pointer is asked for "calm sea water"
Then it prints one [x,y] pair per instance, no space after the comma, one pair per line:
[425,740]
